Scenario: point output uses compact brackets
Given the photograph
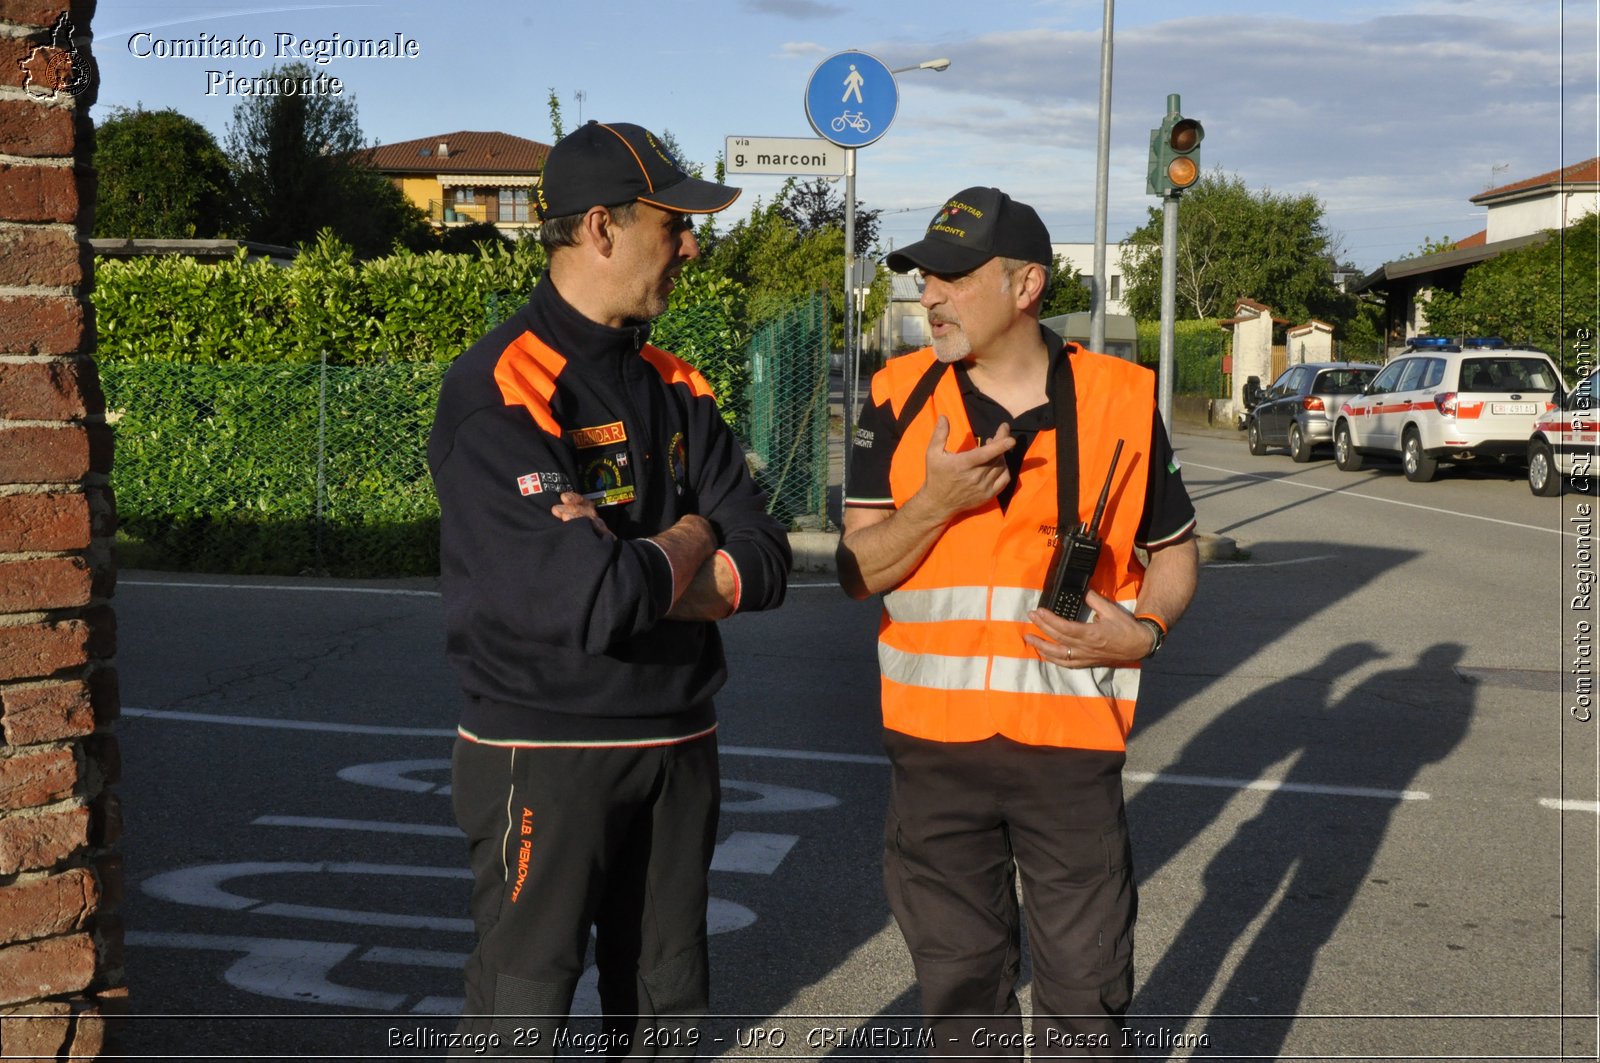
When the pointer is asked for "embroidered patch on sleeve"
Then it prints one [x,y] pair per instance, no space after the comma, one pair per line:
[533,483]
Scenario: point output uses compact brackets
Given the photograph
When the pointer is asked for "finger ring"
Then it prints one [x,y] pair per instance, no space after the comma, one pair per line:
[1069,654]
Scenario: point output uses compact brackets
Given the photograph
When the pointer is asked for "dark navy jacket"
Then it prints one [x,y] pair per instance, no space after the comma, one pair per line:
[558,633]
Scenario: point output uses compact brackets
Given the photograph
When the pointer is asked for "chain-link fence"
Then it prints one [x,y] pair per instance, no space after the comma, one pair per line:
[788,413]
[323,469]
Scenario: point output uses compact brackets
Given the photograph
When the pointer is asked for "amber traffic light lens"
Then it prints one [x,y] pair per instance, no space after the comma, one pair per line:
[1182,172]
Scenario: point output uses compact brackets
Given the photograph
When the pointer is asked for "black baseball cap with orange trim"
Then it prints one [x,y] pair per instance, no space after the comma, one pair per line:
[603,164]
[975,225]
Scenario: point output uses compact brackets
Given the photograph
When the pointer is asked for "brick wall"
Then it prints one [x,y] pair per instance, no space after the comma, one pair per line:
[60,877]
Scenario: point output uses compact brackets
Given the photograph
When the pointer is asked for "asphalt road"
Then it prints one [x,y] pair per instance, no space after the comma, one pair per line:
[1346,790]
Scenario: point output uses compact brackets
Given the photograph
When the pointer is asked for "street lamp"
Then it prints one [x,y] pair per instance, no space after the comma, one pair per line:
[931,64]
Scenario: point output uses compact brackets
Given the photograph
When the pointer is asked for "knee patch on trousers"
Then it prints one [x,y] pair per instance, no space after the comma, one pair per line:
[680,985]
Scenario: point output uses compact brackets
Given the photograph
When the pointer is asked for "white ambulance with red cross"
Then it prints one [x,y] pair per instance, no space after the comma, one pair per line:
[1440,401]
[1566,442]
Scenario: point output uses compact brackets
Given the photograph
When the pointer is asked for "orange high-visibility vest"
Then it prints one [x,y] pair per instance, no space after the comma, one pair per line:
[950,645]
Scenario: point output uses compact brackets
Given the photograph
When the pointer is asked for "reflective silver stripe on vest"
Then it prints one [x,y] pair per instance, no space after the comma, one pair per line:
[932,670]
[1011,675]
[1030,675]
[943,603]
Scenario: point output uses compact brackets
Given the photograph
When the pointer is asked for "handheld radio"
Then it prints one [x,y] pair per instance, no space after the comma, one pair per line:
[1076,554]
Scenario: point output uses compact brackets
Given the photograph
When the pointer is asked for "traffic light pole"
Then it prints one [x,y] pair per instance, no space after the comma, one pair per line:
[1169,283]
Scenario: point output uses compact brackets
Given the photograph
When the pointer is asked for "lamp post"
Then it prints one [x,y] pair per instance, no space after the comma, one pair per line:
[852,353]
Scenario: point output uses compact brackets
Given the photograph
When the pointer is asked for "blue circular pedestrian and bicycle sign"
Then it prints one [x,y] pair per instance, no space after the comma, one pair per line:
[851,99]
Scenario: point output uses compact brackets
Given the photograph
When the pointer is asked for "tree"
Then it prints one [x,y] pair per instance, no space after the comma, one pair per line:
[1235,244]
[297,156]
[554,103]
[1067,293]
[819,204]
[162,176]
[1541,295]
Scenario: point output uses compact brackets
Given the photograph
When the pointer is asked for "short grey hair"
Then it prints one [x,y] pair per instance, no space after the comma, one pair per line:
[563,231]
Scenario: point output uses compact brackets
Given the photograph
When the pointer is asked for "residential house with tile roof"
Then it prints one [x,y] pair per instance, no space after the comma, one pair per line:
[467,176]
[1520,214]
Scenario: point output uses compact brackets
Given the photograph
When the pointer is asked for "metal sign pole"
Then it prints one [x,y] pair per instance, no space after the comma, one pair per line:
[849,359]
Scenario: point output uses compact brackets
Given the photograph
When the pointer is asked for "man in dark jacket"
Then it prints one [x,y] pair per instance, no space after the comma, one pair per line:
[596,517]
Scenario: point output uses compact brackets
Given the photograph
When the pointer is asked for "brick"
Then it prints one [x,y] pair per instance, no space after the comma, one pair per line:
[33,255]
[44,522]
[46,712]
[40,455]
[31,779]
[43,13]
[49,391]
[43,1035]
[44,583]
[34,840]
[30,651]
[42,324]
[88,1034]
[46,968]
[28,129]
[48,906]
[39,193]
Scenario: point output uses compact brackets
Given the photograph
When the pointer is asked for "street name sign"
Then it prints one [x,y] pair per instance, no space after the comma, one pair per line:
[806,156]
[851,99]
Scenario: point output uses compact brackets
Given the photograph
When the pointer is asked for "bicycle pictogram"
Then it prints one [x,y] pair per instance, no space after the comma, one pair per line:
[856,120]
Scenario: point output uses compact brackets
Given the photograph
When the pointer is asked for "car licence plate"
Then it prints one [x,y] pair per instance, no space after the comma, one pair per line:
[1513,407]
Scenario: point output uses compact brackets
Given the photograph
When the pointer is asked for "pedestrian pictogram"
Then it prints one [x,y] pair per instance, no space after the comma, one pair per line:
[851,99]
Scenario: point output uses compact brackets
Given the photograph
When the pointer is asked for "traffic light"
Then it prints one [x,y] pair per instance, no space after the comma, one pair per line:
[1174,153]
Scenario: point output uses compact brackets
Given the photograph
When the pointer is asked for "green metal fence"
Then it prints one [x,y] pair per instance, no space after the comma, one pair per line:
[322,469]
[788,412]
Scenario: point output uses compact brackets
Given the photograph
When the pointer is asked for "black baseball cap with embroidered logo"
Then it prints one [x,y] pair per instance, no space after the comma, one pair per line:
[608,164]
[975,225]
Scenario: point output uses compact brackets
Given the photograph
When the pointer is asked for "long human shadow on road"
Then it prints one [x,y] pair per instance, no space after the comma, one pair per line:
[1318,848]
[1239,614]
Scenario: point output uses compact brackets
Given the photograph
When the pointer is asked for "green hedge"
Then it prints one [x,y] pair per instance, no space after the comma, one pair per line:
[1197,349]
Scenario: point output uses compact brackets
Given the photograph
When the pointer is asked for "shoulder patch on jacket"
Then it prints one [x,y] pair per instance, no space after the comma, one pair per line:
[675,370]
[526,375]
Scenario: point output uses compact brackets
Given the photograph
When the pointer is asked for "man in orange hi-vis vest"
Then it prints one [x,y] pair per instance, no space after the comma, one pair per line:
[1005,723]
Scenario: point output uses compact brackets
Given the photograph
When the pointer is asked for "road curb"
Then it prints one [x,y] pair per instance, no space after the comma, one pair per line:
[813,550]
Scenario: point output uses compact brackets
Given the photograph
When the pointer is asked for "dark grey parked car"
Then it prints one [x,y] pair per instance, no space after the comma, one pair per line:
[1297,411]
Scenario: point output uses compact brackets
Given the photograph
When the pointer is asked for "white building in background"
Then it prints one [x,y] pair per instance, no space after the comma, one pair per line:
[1081,259]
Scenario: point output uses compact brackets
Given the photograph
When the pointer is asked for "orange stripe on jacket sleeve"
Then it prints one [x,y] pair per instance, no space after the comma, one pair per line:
[675,370]
[526,375]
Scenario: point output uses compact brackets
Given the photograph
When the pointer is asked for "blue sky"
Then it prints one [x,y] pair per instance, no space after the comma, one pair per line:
[1394,115]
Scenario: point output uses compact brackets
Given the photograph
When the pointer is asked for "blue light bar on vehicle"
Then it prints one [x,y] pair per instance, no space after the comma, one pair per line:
[1484,341]
[1425,342]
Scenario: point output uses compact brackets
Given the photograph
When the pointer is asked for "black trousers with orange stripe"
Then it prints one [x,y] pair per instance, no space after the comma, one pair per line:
[562,840]
[965,820]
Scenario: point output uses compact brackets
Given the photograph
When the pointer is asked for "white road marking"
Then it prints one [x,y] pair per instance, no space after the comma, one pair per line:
[394,775]
[772,798]
[201,887]
[1563,805]
[372,826]
[1373,498]
[280,968]
[747,852]
[1274,785]
[788,754]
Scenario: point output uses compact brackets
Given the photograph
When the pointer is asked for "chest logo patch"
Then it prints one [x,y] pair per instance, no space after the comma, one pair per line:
[605,476]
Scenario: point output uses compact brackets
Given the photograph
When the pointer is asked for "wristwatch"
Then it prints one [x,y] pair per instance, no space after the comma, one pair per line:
[1158,634]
